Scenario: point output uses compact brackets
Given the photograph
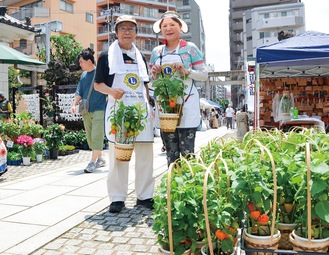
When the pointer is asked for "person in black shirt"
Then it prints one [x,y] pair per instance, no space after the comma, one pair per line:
[121,73]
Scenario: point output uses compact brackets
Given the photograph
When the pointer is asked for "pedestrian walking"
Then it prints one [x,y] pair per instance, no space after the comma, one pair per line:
[229,114]
[93,120]
[183,58]
[214,118]
[242,122]
[122,74]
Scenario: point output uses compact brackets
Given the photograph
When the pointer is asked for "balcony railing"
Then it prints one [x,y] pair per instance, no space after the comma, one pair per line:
[38,12]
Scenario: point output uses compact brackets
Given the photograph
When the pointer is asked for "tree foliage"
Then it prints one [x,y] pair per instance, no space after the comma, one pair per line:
[63,55]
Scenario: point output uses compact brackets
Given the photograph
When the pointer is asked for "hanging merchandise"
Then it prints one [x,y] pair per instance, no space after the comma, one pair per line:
[284,107]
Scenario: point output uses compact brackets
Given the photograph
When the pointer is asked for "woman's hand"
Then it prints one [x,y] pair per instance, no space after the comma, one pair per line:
[156,69]
[180,68]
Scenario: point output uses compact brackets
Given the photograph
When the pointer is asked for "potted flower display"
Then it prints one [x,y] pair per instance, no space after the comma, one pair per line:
[169,93]
[127,121]
[39,147]
[54,138]
[26,148]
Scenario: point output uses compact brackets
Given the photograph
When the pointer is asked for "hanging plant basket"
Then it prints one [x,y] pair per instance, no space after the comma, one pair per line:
[127,121]
[168,121]
[170,92]
[123,152]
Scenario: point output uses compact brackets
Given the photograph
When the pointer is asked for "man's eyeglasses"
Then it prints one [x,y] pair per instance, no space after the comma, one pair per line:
[124,29]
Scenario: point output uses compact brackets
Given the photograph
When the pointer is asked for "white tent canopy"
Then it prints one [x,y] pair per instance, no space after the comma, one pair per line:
[204,104]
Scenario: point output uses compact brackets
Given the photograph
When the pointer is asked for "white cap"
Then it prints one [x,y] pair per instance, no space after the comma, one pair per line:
[170,14]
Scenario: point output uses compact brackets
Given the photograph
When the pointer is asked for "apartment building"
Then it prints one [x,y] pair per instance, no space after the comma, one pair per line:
[236,26]
[262,25]
[146,12]
[77,17]
[92,22]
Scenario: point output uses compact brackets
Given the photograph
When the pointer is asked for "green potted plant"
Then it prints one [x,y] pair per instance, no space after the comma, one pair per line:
[221,221]
[254,183]
[14,158]
[39,147]
[54,138]
[66,149]
[178,220]
[312,231]
[127,121]
[169,92]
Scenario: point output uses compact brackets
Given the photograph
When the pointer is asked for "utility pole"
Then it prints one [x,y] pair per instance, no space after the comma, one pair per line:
[110,22]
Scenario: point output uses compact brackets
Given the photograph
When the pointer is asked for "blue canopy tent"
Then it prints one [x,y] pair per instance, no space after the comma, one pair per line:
[304,55]
[216,105]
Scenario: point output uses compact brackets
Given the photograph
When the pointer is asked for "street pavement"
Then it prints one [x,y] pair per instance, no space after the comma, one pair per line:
[54,208]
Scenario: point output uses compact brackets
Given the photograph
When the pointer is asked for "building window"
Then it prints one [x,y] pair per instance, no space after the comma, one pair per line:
[266,15]
[31,5]
[249,38]
[186,2]
[66,6]
[263,35]
[89,17]
[186,15]
[284,14]
[128,9]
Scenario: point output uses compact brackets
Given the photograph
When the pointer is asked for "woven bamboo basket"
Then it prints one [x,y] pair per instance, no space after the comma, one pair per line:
[168,121]
[170,226]
[164,252]
[123,152]
[285,230]
[210,246]
[308,244]
[262,242]
[266,242]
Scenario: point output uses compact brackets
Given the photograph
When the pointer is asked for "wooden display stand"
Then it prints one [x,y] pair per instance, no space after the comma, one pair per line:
[311,97]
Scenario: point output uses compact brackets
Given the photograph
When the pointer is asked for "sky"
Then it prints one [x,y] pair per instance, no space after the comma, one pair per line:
[215,21]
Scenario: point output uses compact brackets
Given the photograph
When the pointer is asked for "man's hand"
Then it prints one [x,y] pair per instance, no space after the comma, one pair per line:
[117,93]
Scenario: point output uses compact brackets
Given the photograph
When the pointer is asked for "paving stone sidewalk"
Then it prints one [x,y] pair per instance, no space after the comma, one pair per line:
[17,172]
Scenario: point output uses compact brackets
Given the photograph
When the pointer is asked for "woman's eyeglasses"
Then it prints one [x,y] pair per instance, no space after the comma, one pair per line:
[124,29]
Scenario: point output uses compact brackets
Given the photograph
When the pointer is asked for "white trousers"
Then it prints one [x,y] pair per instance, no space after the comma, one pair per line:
[117,180]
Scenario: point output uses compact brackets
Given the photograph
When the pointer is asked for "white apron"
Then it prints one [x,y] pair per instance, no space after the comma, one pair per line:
[132,85]
[191,109]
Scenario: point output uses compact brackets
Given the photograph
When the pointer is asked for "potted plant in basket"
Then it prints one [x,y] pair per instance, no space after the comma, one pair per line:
[178,217]
[220,213]
[127,121]
[169,93]
[26,148]
[54,138]
[254,183]
[312,231]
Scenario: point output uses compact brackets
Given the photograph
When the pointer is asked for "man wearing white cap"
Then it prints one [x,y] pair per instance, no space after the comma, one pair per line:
[114,69]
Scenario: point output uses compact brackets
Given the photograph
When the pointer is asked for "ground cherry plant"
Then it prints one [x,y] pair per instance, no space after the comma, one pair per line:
[169,93]
[127,121]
